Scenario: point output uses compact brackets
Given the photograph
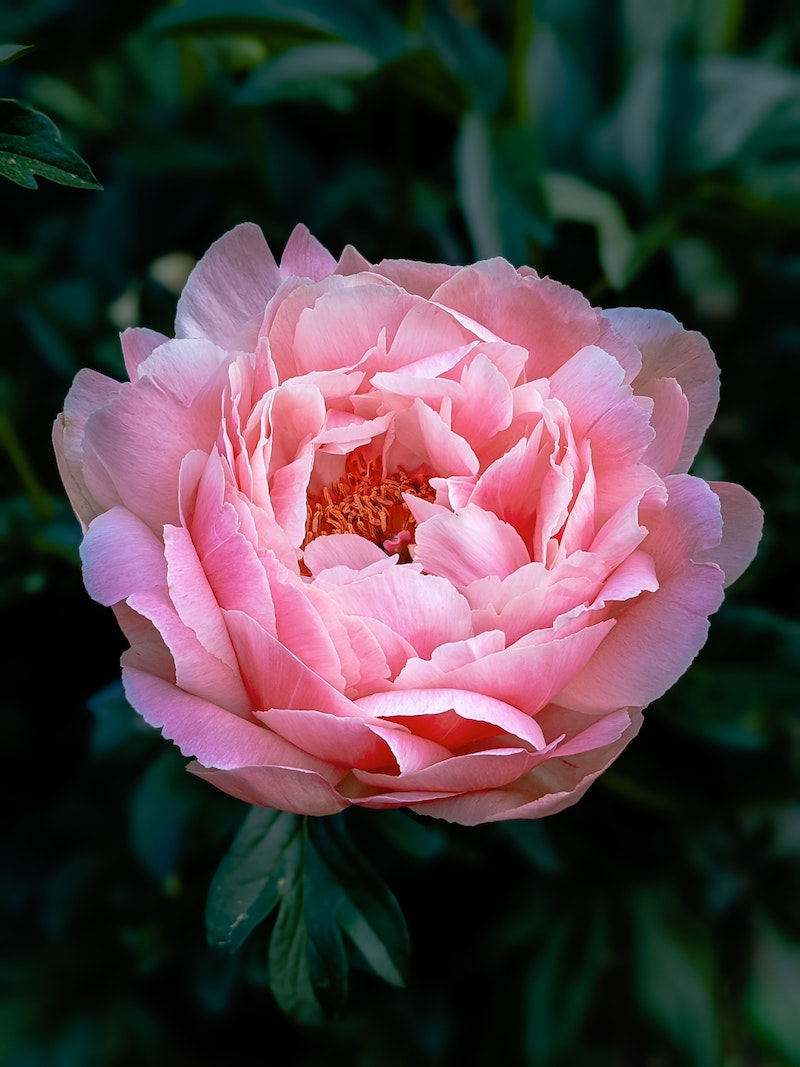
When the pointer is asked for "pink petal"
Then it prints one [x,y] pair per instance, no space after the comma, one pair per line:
[355,743]
[304,792]
[742,522]
[527,675]
[137,344]
[197,671]
[228,288]
[405,704]
[469,545]
[669,419]
[601,407]
[470,772]
[394,597]
[342,550]
[305,257]
[549,788]
[670,351]
[420,278]
[88,486]
[121,555]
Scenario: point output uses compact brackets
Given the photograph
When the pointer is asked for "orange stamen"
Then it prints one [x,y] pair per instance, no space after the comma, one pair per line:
[366,503]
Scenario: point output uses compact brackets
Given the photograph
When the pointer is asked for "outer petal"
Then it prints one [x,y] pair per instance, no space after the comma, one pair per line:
[228,288]
[551,787]
[742,522]
[670,351]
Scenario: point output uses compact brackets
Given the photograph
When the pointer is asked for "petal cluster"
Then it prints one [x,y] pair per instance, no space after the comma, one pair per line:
[401,534]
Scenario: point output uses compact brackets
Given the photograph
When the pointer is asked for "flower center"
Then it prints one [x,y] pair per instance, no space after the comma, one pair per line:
[366,503]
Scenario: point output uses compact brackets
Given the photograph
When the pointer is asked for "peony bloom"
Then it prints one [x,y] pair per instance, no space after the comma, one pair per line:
[404,534]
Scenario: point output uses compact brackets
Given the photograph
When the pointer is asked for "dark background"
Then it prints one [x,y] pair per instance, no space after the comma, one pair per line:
[648,154]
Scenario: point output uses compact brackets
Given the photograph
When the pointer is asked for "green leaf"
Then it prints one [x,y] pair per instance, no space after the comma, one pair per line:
[307,960]
[360,22]
[329,889]
[367,911]
[571,198]
[772,996]
[117,727]
[10,52]
[310,71]
[563,979]
[246,885]
[161,807]
[31,144]
[476,187]
[675,978]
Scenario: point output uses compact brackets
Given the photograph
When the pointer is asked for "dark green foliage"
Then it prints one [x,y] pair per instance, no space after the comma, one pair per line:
[647,154]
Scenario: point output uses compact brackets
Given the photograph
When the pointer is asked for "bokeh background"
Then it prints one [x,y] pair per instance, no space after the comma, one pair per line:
[645,153]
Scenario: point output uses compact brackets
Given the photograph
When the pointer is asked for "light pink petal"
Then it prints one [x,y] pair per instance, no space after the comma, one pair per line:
[742,522]
[228,288]
[347,742]
[120,556]
[527,675]
[420,704]
[88,486]
[197,671]
[652,644]
[554,785]
[548,319]
[601,407]
[469,545]
[420,435]
[342,550]
[425,330]
[488,404]
[305,257]
[670,351]
[423,610]
[499,489]
[345,324]
[423,279]
[581,524]
[669,419]
[352,262]
[137,344]
[138,441]
[304,792]
[193,597]
[355,743]
[274,676]
[470,772]
[185,368]
[634,575]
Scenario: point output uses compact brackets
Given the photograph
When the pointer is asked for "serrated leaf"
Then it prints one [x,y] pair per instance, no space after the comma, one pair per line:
[248,883]
[366,909]
[10,52]
[30,144]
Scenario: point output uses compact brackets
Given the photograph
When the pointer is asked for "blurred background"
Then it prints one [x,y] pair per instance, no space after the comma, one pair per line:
[647,154]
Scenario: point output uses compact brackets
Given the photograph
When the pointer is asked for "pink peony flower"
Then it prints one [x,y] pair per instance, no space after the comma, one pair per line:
[401,535]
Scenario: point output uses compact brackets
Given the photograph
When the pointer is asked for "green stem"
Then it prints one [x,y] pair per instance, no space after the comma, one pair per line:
[521,35]
[42,504]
